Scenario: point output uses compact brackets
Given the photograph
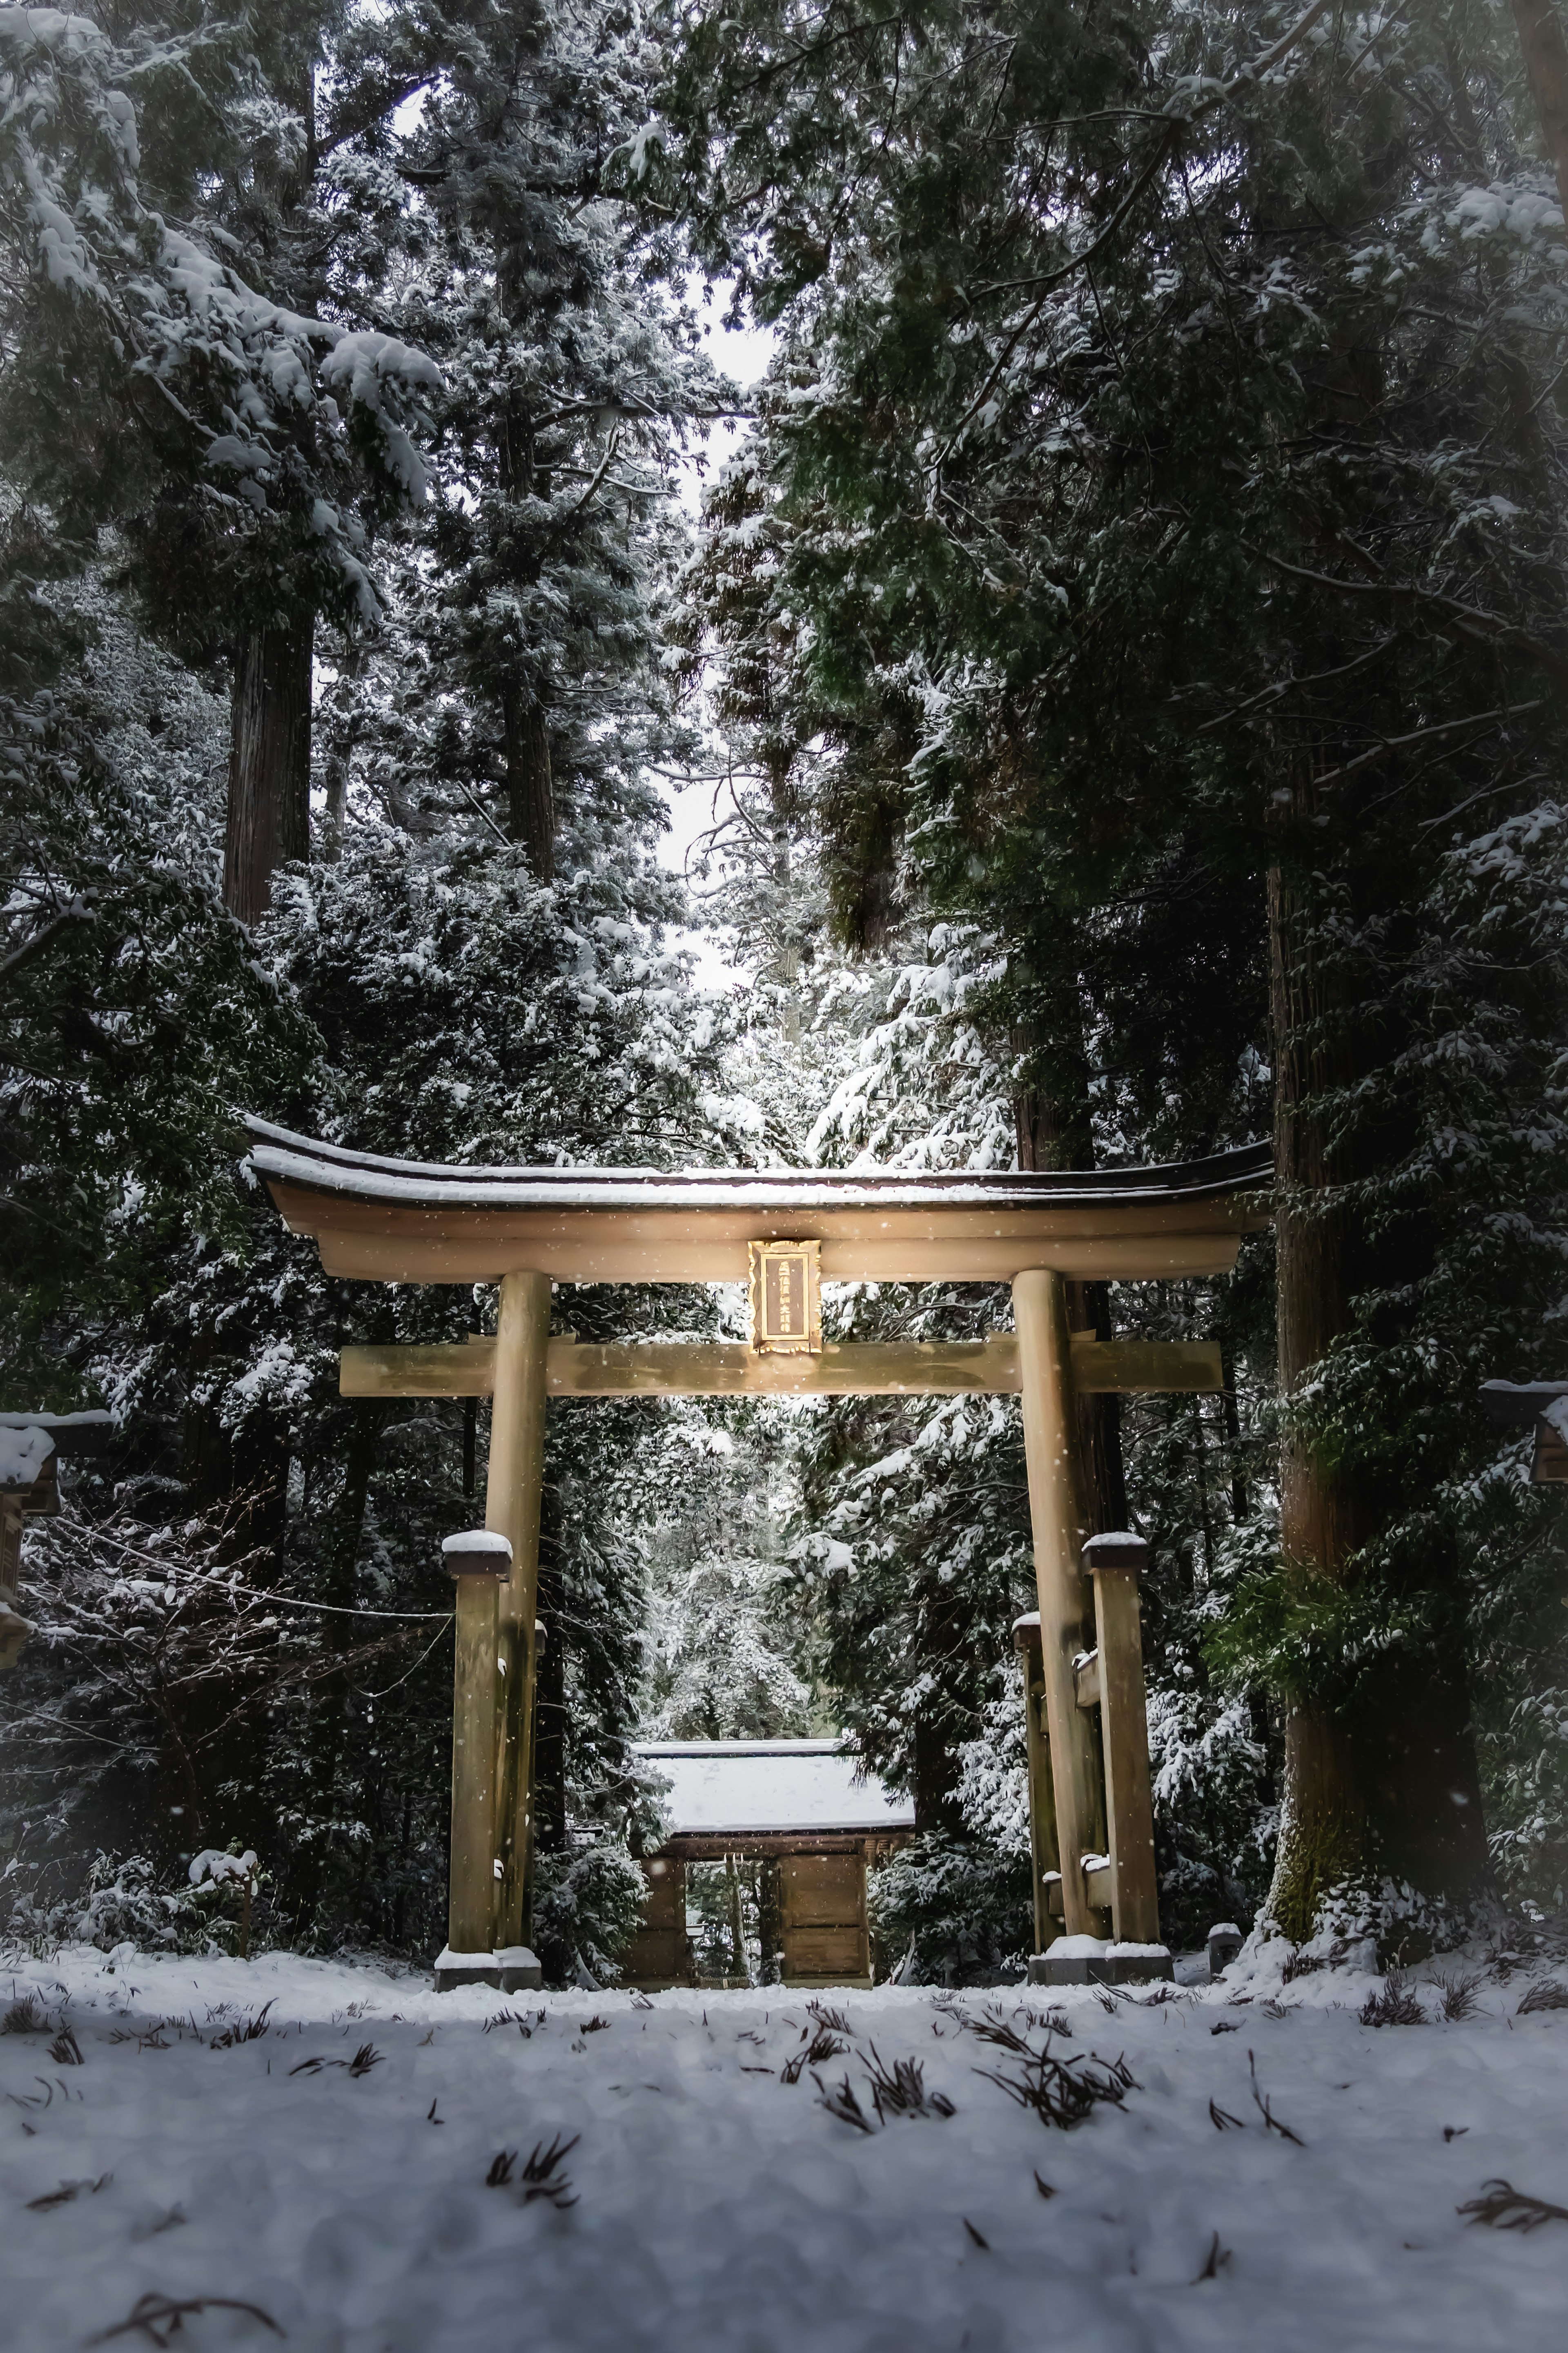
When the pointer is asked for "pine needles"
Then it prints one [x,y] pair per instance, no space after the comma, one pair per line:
[1397,2005]
[244,2029]
[540,2177]
[1218,2260]
[1502,2207]
[843,2104]
[1548,1996]
[1061,2091]
[1458,1996]
[366,2057]
[67,2193]
[817,2049]
[161,2319]
[25,2015]
[899,2091]
[1264,2109]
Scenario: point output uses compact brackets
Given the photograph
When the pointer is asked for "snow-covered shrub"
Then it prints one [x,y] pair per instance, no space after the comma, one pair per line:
[587,1907]
[966,1898]
[968,1908]
[1213,1836]
[994,1772]
[121,1902]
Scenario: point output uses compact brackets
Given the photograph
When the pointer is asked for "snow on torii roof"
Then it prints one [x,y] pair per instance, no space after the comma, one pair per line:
[389,1221]
[749,1788]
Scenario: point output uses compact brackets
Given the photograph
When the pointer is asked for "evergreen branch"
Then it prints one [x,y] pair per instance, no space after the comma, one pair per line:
[255,1593]
[615,443]
[1175,124]
[1163,147]
[812,51]
[1450,613]
[478,807]
[79,911]
[1283,686]
[1483,719]
[353,123]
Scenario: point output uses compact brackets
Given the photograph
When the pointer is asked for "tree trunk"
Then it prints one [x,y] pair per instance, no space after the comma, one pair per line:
[1384,1788]
[1545,56]
[531,792]
[269,764]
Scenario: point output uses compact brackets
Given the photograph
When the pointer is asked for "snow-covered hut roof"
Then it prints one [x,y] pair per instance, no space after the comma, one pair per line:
[412,1221]
[750,1787]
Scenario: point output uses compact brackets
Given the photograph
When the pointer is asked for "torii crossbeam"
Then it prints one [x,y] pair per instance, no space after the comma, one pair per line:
[385,1220]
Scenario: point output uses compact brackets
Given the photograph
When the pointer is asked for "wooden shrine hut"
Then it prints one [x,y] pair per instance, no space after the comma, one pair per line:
[803,1810]
[783,1231]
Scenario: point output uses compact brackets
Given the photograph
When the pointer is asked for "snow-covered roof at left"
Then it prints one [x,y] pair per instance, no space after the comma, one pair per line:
[29,1442]
[391,1220]
[758,1787]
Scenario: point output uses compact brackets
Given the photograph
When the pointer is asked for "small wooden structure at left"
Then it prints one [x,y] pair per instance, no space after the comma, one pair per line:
[30,1447]
[385,1220]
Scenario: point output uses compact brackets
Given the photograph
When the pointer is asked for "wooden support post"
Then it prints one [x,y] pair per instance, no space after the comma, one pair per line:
[1114,1562]
[1043,1850]
[14,1627]
[513,1496]
[1067,1607]
[470,1885]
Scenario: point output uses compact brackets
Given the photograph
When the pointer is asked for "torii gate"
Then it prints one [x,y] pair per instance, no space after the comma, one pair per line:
[383,1220]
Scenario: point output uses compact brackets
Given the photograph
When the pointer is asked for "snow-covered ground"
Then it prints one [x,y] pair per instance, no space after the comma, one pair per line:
[342,2172]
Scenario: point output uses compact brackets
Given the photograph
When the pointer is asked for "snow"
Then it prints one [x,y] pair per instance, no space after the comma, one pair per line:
[97,1420]
[478,1540]
[371,1177]
[715,2204]
[771,1785]
[23,1454]
[214,1864]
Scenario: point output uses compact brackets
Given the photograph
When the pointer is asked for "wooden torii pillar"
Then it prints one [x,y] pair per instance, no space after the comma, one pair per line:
[495,1669]
[386,1221]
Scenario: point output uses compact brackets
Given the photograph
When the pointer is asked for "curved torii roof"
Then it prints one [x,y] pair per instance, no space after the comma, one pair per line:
[386,1221]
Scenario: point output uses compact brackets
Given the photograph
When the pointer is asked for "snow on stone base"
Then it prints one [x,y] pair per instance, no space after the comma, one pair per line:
[1096,1960]
[454,1970]
[520,1969]
[514,1968]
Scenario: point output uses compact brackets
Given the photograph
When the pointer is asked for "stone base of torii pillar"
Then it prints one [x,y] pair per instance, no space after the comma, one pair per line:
[515,1968]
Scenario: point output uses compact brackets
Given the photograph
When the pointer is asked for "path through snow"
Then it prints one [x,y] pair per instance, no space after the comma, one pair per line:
[717,2206]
